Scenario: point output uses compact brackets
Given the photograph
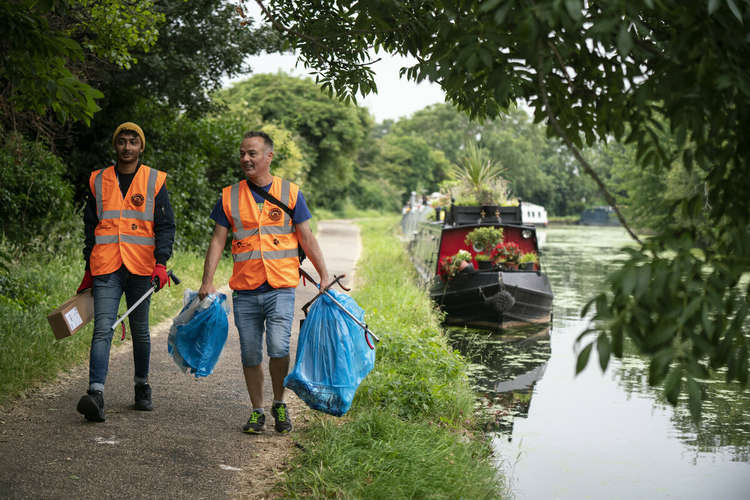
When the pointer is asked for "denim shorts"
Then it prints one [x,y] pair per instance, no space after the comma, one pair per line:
[271,312]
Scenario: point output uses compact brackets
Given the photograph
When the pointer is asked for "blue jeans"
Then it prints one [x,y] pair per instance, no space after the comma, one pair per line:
[272,312]
[108,289]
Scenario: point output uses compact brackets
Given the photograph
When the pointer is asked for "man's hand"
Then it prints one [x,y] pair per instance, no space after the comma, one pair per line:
[86,283]
[205,290]
[324,282]
[159,276]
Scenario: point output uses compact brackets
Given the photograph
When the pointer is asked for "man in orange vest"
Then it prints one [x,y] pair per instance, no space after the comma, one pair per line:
[129,231]
[265,241]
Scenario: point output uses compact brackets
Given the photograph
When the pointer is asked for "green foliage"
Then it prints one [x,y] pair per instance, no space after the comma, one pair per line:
[36,284]
[408,161]
[536,167]
[34,70]
[200,43]
[484,239]
[528,257]
[376,194]
[702,329]
[48,46]
[377,455]
[331,131]
[112,30]
[34,195]
[480,177]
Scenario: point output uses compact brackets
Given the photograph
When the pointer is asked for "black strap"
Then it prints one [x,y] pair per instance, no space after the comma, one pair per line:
[271,198]
[285,208]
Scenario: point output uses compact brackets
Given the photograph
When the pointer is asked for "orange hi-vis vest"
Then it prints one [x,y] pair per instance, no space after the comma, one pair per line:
[264,243]
[125,233]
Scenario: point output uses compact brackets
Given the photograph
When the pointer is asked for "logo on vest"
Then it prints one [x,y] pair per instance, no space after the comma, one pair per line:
[134,227]
[275,214]
[137,199]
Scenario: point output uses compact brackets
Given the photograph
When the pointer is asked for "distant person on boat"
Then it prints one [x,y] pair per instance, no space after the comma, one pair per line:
[269,219]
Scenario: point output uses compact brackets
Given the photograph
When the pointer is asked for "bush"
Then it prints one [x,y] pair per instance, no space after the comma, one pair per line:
[34,191]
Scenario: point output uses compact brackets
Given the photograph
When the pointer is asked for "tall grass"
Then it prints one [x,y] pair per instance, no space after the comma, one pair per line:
[40,281]
[410,431]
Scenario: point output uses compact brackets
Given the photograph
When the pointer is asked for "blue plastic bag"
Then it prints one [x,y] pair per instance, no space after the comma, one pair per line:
[332,356]
[199,332]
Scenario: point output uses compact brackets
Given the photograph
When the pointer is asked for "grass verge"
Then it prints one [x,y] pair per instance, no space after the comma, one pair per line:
[410,432]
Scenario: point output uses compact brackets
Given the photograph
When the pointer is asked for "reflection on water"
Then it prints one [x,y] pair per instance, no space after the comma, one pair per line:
[504,369]
[598,435]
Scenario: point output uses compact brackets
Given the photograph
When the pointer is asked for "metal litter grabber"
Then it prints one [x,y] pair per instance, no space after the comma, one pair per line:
[340,306]
[148,293]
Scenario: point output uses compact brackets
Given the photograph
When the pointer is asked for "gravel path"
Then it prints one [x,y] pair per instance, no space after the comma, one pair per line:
[190,446]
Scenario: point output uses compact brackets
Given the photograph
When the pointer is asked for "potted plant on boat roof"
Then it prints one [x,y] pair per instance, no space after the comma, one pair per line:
[506,255]
[482,240]
[527,260]
[477,180]
[451,265]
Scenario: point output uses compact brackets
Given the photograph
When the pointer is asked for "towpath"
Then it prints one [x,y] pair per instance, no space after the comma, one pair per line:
[190,446]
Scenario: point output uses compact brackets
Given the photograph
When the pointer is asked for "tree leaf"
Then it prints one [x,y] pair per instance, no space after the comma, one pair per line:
[735,10]
[574,9]
[624,42]
[488,5]
[659,365]
[603,349]
[583,358]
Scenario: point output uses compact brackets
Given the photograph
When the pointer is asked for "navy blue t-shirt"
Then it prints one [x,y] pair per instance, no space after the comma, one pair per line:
[300,213]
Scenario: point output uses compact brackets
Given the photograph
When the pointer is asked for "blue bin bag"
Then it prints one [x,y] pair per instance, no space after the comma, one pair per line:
[332,356]
[199,332]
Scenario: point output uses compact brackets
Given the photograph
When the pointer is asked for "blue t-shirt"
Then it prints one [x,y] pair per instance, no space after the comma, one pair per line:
[300,213]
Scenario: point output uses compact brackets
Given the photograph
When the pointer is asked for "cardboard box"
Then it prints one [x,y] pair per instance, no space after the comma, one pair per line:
[72,315]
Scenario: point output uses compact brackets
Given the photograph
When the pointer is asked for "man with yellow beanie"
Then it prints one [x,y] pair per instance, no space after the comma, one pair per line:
[129,232]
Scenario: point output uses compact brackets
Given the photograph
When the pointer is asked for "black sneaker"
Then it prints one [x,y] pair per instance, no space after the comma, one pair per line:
[255,423]
[143,397]
[92,406]
[281,416]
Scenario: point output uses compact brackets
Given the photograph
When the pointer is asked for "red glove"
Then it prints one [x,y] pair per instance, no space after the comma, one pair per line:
[86,282]
[159,276]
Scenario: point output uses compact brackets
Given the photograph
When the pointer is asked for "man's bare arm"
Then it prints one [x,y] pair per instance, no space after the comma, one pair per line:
[213,255]
[312,250]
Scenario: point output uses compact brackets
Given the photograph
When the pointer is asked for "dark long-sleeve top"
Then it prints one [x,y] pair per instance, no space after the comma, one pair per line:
[164,225]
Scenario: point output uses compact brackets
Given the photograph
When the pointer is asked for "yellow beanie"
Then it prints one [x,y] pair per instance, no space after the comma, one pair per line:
[131,127]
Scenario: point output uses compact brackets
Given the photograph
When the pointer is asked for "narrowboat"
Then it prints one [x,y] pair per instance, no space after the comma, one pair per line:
[492,294]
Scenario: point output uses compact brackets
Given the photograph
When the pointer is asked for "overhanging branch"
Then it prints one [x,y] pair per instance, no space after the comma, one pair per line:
[581,160]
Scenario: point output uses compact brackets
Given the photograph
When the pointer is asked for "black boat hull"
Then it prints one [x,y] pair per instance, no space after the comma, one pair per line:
[494,299]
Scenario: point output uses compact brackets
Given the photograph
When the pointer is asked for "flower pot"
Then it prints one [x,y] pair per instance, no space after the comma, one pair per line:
[526,266]
[485,264]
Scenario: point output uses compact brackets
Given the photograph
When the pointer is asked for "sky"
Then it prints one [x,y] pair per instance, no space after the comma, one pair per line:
[396,98]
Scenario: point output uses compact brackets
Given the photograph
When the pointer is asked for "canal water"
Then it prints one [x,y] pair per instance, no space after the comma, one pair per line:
[598,435]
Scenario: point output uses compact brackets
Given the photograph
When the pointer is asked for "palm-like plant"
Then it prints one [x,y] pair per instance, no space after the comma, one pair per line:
[480,176]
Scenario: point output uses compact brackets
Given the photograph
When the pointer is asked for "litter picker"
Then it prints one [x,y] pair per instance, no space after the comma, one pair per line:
[151,290]
[325,291]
